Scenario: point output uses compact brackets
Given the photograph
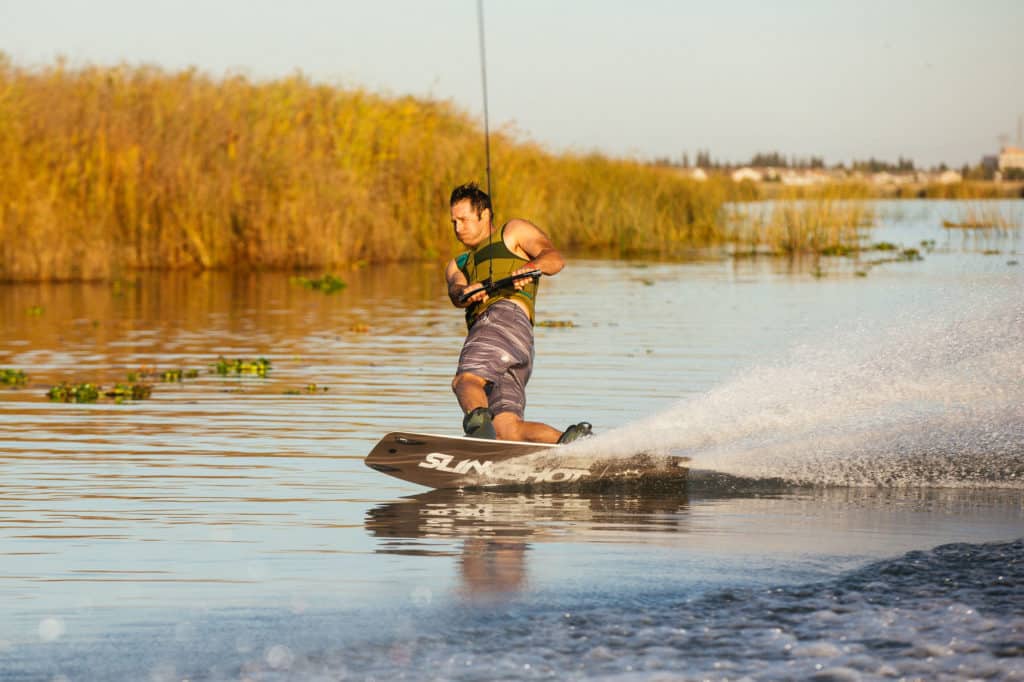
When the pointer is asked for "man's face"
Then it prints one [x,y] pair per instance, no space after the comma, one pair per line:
[470,229]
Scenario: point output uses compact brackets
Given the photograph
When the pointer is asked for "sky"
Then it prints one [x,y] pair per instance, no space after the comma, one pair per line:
[930,80]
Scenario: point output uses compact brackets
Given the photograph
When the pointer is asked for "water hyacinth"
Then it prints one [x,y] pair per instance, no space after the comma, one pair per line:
[89,393]
[328,284]
[74,393]
[308,389]
[122,392]
[13,377]
[225,367]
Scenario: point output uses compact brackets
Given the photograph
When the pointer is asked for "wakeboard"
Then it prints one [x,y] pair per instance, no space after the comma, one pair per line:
[442,462]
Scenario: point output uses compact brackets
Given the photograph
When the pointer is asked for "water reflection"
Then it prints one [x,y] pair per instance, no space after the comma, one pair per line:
[226,491]
[497,529]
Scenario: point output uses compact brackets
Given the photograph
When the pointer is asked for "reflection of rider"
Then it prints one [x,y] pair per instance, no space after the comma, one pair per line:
[498,530]
[492,567]
[497,356]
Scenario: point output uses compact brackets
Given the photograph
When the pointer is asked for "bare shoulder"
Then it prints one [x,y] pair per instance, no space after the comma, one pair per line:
[519,227]
[525,238]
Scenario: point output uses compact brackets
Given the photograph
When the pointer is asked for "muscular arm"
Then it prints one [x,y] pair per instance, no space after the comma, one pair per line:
[528,241]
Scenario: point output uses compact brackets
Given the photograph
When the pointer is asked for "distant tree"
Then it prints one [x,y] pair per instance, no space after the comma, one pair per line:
[686,160]
[763,159]
[874,165]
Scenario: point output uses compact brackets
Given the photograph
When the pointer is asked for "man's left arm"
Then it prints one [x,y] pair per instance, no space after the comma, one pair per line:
[526,238]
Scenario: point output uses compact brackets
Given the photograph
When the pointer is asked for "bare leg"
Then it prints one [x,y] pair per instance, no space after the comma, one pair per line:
[469,391]
[510,426]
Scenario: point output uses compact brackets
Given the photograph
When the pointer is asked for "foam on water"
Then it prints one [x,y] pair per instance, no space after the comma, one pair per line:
[937,399]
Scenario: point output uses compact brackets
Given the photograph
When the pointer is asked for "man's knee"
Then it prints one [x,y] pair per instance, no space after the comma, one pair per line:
[464,381]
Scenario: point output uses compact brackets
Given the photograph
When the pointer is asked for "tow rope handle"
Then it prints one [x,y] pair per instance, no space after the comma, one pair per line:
[491,287]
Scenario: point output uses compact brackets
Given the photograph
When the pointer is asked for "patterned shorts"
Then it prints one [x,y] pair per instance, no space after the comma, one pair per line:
[499,349]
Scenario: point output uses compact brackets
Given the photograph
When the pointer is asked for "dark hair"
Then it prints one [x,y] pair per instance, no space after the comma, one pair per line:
[478,198]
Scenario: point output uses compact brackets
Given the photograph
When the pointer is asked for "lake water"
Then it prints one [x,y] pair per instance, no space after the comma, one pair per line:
[856,509]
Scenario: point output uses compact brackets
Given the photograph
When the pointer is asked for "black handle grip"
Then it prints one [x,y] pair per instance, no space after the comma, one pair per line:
[491,287]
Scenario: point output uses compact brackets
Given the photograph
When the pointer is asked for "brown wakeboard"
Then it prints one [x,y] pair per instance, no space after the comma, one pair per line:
[457,462]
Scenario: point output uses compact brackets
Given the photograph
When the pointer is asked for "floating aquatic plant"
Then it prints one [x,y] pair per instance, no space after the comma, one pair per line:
[122,392]
[328,284]
[74,393]
[13,377]
[224,367]
[308,388]
[556,323]
[166,376]
[89,393]
[178,374]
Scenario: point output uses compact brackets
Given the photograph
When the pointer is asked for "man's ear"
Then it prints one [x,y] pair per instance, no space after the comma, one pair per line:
[485,215]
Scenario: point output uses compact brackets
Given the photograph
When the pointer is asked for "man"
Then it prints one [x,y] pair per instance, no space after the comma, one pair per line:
[497,356]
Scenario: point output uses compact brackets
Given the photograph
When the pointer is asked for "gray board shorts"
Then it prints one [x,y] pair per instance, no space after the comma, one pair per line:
[499,349]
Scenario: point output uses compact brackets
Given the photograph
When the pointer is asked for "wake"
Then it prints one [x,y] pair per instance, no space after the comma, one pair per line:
[935,401]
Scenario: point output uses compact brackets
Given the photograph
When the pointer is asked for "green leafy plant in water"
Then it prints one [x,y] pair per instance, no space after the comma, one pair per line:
[556,323]
[838,250]
[177,375]
[225,367]
[122,392]
[65,392]
[328,284]
[13,377]
[308,388]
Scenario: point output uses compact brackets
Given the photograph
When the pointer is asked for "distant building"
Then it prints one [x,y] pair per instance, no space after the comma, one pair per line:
[1011,157]
[804,178]
[949,177]
[698,174]
[741,174]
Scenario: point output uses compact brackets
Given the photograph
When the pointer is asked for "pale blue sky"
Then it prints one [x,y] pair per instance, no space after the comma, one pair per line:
[934,80]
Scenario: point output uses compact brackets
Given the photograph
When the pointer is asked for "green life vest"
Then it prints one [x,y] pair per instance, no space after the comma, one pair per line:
[496,261]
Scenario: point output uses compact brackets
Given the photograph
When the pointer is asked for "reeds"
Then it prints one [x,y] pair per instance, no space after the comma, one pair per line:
[109,170]
[997,216]
[829,224]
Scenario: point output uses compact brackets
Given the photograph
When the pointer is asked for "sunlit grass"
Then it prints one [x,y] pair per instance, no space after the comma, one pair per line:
[109,170]
[826,224]
[985,216]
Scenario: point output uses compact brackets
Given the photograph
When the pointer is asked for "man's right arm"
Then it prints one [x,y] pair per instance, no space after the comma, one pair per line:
[457,286]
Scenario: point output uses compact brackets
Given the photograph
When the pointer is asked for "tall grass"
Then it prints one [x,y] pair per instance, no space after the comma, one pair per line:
[834,222]
[113,169]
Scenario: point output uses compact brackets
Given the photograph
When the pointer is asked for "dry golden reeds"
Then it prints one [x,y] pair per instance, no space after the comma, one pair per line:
[108,170]
[832,222]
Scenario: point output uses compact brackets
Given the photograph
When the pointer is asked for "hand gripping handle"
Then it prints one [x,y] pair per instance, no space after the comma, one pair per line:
[491,287]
